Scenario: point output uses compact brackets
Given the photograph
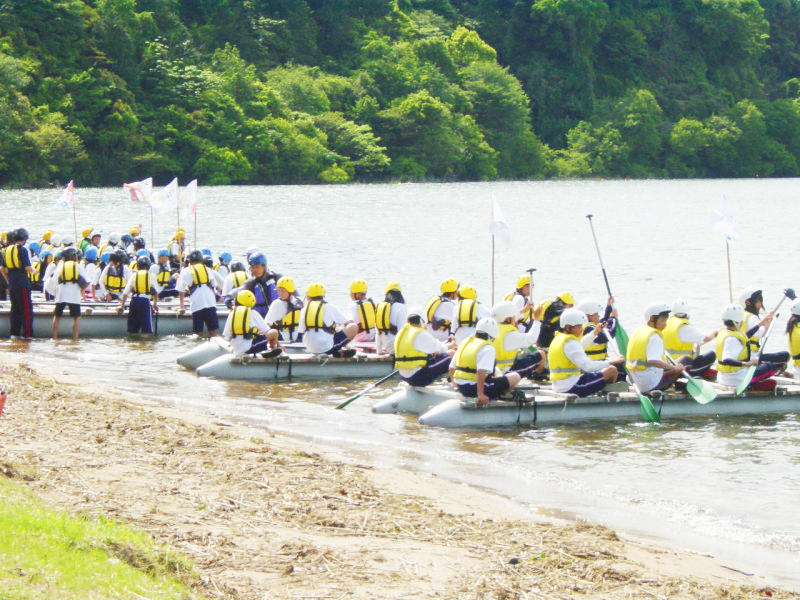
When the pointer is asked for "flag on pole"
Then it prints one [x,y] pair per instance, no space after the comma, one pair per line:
[189,199]
[166,198]
[140,190]
[498,226]
[67,197]
[722,221]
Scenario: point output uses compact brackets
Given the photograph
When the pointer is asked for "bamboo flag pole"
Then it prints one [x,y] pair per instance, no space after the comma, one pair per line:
[730,282]
[492,270]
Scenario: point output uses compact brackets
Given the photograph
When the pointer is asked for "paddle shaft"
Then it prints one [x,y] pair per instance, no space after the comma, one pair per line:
[648,410]
[597,247]
[368,388]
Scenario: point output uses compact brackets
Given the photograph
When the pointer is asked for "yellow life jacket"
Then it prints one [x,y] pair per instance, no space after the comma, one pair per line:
[366,314]
[68,272]
[753,342]
[597,350]
[239,277]
[504,358]
[11,257]
[743,355]
[141,282]
[466,312]
[164,275]
[794,343]
[405,356]
[199,277]
[291,320]
[467,358]
[561,367]
[636,359]
[240,324]
[527,314]
[115,282]
[315,317]
[430,310]
[34,275]
[382,318]
[551,321]
[672,342]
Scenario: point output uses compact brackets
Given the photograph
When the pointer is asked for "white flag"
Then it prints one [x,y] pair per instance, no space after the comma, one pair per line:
[189,199]
[166,198]
[67,197]
[497,224]
[140,190]
[722,221]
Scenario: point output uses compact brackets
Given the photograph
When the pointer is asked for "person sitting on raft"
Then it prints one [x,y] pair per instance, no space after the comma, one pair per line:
[511,341]
[646,362]
[244,324]
[318,324]
[681,338]
[418,356]
[733,351]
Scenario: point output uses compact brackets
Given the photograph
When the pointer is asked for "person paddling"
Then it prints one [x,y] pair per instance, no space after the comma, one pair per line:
[793,331]
[681,339]
[646,362]
[733,351]
[551,312]
[598,333]
[511,342]
[755,328]
[521,297]
[419,357]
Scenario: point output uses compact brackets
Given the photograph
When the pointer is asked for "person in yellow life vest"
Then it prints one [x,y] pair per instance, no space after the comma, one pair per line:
[419,357]
[177,245]
[598,333]
[15,268]
[323,325]
[752,300]
[44,243]
[390,316]
[143,289]
[71,280]
[164,275]
[112,244]
[361,311]
[468,312]
[114,276]
[86,241]
[283,316]
[682,341]
[440,310]
[551,312]
[512,344]
[202,284]
[733,351]
[235,279]
[571,369]
[521,297]
[244,325]
[646,363]
[473,370]
[793,331]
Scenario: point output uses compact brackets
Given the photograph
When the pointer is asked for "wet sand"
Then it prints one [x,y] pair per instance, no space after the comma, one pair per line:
[262,516]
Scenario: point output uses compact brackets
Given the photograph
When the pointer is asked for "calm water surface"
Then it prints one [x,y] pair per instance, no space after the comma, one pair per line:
[729,487]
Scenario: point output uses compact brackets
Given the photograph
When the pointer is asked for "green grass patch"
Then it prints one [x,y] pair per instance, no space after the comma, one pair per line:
[46,553]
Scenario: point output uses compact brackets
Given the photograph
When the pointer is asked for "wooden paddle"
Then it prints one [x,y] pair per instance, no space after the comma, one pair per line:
[368,388]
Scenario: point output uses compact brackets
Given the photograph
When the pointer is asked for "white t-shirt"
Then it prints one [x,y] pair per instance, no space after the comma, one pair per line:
[277,310]
[319,341]
[444,312]
[239,344]
[575,352]
[71,293]
[353,313]
[731,349]
[384,342]
[650,378]
[202,296]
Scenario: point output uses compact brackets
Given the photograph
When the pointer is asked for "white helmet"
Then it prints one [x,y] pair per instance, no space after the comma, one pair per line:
[417,311]
[734,313]
[56,239]
[796,307]
[747,294]
[114,237]
[680,308]
[94,233]
[505,309]
[654,309]
[590,306]
[488,326]
[571,317]
[69,240]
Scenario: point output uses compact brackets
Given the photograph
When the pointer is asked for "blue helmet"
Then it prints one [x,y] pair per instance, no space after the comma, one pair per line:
[226,257]
[105,257]
[142,252]
[163,252]
[44,254]
[259,258]
[126,239]
[206,252]
[35,248]
[91,253]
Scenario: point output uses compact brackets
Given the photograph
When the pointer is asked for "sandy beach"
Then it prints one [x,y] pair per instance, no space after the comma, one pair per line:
[262,516]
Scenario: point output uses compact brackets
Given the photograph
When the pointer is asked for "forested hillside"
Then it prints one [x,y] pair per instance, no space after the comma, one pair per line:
[305,91]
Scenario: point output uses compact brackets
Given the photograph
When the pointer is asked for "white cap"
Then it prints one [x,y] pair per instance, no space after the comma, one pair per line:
[505,309]
[734,313]
[571,317]
[796,307]
[56,239]
[680,308]
[488,326]
[417,311]
[654,309]
[590,306]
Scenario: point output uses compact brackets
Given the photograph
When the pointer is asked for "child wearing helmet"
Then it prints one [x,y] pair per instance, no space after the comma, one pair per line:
[114,276]
[390,317]
[682,339]
[512,344]
[733,351]
[418,356]
[793,331]
[645,359]
[322,325]
[571,369]
[202,284]
[550,311]
[71,279]
[283,316]
[468,311]
[244,326]
[361,311]
[143,290]
[439,310]
[521,297]
[16,267]
[473,369]
[261,283]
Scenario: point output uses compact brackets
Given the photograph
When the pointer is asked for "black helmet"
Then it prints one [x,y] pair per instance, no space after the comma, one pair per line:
[143,262]
[138,243]
[20,235]
[69,254]
[119,256]
[195,256]
[237,266]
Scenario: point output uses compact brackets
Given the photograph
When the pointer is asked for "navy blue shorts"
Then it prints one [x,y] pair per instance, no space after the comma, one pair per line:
[493,387]
[588,384]
[207,317]
[140,315]
[74,309]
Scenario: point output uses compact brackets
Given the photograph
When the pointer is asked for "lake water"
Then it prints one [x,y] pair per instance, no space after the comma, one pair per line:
[729,487]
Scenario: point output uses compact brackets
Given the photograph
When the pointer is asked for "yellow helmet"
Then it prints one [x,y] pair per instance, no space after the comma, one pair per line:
[468,292]
[3,236]
[449,286]
[523,280]
[179,233]
[566,298]
[287,283]
[46,235]
[358,286]
[134,230]
[87,231]
[315,290]
[393,285]
[246,298]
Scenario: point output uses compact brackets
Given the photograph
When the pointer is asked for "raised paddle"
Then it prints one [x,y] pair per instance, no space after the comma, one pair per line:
[700,390]
[751,370]
[366,389]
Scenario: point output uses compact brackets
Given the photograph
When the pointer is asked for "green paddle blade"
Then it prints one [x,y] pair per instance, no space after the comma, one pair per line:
[746,381]
[621,337]
[700,390]
[649,412]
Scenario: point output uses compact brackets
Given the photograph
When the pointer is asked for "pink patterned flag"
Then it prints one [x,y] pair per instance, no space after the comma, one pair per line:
[67,197]
[140,190]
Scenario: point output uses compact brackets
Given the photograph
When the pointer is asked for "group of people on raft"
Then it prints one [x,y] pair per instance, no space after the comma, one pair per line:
[485,352]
